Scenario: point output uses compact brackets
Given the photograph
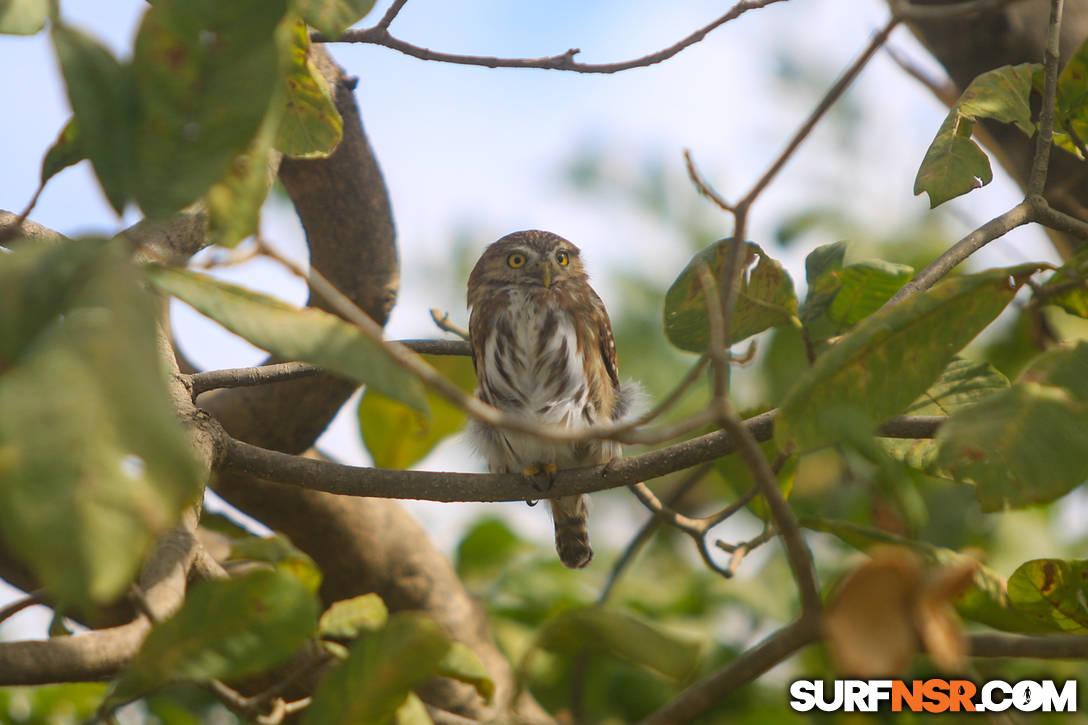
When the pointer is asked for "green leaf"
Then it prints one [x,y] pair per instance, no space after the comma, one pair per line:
[234,202]
[864,287]
[93,462]
[1070,278]
[380,672]
[291,333]
[332,17]
[65,151]
[412,712]
[23,17]
[101,94]
[609,632]
[348,618]
[487,548]
[226,629]
[765,298]
[311,126]
[1002,94]
[1071,107]
[891,357]
[986,601]
[398,437]
[205,72]
[961,385]
[279,551]
[461,663]
[1024,445]
[1052,592]
[954,164]
[823,269]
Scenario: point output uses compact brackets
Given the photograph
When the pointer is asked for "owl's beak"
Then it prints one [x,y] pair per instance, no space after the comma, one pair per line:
[546,273]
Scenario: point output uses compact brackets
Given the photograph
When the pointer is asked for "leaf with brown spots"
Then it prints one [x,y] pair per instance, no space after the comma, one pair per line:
[1053,592]
[891,357]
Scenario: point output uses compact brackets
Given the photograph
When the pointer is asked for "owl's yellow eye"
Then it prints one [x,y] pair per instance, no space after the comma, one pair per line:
[515,260]
[563,258]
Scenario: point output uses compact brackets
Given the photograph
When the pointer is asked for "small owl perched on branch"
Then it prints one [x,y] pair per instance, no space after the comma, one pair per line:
[542,347]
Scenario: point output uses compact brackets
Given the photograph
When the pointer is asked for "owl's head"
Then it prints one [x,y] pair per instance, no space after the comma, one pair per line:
[532,258]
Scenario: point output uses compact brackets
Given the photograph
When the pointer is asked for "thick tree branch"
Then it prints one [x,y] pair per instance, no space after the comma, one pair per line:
[379,35]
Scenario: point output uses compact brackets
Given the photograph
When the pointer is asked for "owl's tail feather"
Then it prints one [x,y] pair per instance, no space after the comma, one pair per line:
[571,534]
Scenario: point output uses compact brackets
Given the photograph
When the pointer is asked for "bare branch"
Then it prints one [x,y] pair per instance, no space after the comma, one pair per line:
[639,540]
[1044,135]
[379,35]
[703,185]
[829,99]
[443,322]
[319,475]
[1068,646]
[34,597]
[391,13]
[241,377]
[997,227]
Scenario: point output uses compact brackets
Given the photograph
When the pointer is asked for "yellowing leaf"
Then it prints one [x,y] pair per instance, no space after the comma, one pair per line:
[398,437]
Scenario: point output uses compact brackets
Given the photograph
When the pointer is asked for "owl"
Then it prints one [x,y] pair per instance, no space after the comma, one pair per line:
[542,347]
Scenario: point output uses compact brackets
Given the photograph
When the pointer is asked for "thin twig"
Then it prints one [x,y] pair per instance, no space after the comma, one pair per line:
[34,597]
[797,552]
[829,99]
[379,35]
[11,230]
[696,528]
[702,185]
[443,322]
[718,329]
[951,258]
[1044,136]
[646,531]
[391,13]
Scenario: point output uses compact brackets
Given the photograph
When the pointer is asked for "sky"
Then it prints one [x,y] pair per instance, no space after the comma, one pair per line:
[484,150]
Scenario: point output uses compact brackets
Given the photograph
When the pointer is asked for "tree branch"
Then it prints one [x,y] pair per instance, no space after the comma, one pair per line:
[379,35]
[703,695]
[100,654]
[239,457]
[1068,646]
[1044,135]
[951,258]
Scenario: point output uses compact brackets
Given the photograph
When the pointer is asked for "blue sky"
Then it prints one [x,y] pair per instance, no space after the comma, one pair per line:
[483,149]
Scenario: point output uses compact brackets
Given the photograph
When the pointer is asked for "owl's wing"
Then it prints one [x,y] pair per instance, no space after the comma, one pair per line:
[478,329]
[606,341]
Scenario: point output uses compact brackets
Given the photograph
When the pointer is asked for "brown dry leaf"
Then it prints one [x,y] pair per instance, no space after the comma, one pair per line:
[869,626]
[939,627]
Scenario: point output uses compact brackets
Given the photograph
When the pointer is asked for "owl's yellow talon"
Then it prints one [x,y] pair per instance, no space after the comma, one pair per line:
[548,470]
